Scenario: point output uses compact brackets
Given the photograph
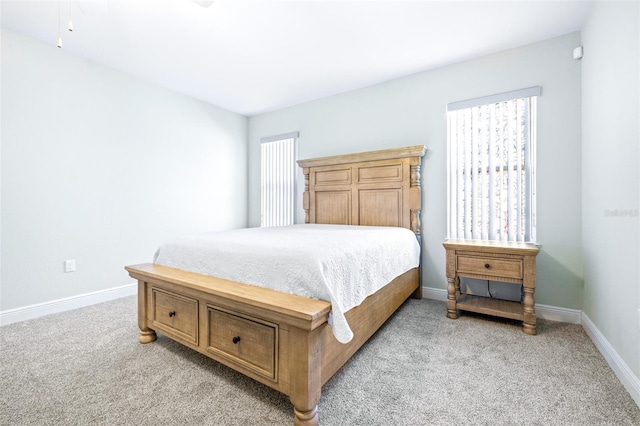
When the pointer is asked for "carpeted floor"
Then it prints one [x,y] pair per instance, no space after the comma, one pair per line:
[87,367]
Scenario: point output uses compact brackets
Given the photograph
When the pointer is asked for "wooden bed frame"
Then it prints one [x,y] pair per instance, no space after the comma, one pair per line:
[279,339]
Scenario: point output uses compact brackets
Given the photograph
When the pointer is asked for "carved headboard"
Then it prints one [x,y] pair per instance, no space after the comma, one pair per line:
[378,188]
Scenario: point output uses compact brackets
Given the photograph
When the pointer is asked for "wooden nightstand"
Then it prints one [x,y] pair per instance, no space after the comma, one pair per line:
[498,261]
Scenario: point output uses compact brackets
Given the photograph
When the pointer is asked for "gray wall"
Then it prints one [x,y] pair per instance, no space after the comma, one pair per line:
[101,167]
[411,111]
[611,178]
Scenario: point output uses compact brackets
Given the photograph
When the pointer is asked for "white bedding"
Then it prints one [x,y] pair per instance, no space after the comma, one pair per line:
[338,263]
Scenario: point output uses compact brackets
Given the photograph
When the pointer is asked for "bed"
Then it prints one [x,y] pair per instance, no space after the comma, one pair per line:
[280,339]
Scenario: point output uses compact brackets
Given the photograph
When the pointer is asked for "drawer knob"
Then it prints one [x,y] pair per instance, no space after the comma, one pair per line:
[487,266]
[172,313]
[236,340]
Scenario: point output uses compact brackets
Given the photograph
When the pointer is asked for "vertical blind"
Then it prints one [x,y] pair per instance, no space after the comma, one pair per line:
[278,179]
[491,152]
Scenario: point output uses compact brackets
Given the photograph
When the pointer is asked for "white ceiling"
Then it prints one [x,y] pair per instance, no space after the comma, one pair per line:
[255,56]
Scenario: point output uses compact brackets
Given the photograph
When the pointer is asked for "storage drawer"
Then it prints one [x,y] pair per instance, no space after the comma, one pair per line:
[246,341]
[490,266]
[175,315]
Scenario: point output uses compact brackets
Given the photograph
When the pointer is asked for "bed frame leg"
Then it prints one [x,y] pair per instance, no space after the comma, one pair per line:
[147,335]
[306,418]
[418,293]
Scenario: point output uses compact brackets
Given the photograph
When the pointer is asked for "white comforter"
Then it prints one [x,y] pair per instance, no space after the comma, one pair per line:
[338,263]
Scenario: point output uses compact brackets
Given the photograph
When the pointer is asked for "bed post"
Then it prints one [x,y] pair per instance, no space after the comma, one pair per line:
[305,194]
[415,197]
[305,353]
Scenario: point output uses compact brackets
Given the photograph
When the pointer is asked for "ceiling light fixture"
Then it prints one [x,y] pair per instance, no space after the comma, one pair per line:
[203,3]
[59,38]
[69,24]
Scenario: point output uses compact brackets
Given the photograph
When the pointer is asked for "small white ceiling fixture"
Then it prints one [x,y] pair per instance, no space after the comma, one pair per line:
[203,3]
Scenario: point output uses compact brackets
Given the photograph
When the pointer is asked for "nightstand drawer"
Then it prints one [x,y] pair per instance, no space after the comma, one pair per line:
[490,266]
[246,341]
[175,315]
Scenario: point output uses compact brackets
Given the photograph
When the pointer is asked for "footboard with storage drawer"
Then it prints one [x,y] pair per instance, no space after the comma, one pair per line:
[244,327]
[281,340]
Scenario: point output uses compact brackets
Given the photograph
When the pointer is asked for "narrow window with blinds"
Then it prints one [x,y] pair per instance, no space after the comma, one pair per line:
[491,156]
[278,179]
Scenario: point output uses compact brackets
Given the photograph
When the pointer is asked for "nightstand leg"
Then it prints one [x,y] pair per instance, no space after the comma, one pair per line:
[529,310]
[452,285]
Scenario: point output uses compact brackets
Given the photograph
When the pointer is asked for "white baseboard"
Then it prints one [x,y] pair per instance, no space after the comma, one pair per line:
[41,309]
[617,364]
[575,316]
[435,293]
[555,313]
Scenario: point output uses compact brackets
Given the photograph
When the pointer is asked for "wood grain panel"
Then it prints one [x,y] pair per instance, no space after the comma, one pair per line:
[333,177]
[333,207]
[416,151]
[386,173]
[396,169]
[487,306]
[380,207]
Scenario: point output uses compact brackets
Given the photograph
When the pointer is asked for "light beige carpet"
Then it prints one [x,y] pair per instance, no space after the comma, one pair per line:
[86,367]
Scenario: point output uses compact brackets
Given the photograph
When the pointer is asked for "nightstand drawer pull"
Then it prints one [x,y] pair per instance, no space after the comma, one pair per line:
[172,313]
[486,265]
[236,340]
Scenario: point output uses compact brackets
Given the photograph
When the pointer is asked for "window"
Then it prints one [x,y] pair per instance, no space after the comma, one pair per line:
[491,155]
[278,179]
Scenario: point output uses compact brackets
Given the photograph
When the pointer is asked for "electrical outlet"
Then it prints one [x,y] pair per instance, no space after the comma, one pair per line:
[70,265]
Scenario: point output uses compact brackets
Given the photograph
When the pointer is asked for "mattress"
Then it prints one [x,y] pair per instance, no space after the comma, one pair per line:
[341,264]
